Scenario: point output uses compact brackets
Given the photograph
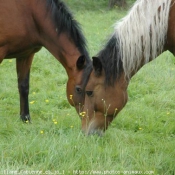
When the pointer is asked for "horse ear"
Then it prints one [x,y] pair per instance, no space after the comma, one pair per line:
[97,66]
[80,62]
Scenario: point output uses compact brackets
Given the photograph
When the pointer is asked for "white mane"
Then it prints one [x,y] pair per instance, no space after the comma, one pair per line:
[142,33]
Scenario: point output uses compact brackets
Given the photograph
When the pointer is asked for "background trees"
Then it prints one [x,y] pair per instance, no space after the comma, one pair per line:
[120,3]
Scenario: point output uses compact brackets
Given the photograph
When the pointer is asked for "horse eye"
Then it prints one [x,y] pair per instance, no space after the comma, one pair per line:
[89,93]
[78,90]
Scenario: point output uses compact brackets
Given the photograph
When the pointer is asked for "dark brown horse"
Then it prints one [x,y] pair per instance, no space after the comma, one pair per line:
[26,26]
[147,31]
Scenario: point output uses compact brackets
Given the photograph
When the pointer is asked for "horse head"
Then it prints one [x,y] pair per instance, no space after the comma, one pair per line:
[102,101]
[77,81]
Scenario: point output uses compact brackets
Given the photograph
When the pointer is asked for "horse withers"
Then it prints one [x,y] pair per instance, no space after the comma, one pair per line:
[26,26]
[147,31]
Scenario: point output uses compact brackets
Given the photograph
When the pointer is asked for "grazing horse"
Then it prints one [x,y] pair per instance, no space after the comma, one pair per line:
[147,31]
[26,26]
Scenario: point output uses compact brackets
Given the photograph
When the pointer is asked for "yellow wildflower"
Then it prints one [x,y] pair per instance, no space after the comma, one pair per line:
[41,132]
[32,102]
[82,114]
[47,101]
[71,97]
[55,122]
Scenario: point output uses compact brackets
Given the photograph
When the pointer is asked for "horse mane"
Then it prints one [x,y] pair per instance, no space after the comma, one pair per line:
[111,61]
[64,22]
[140,37]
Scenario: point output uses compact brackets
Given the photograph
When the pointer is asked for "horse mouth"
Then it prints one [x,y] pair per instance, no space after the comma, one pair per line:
[97,125]
[90,132]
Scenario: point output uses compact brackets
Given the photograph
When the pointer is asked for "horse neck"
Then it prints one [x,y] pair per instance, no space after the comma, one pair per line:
[59,45]
[64,50]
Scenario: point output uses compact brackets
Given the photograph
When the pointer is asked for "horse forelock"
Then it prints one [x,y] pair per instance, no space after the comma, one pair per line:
[64,22]
[142,33]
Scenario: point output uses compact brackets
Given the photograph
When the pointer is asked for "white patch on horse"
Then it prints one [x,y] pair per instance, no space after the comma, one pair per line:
[142,33]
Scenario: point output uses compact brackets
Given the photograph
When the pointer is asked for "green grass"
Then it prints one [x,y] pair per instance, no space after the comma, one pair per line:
[141,138]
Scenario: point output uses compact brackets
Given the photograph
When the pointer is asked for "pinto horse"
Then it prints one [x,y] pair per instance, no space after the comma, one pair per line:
[147,31]
[26,26]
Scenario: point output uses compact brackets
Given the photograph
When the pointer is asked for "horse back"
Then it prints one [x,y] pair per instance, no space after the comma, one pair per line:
[18,29]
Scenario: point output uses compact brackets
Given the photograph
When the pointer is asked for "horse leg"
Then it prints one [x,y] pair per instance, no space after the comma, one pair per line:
[23,73]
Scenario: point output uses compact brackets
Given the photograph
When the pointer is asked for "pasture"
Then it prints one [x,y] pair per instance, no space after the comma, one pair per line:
[141,140]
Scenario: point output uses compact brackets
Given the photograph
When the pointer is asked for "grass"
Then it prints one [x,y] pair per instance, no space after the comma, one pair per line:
[140,140]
